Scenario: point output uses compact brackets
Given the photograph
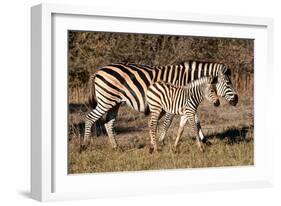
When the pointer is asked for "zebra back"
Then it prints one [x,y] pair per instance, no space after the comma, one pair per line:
[130,81]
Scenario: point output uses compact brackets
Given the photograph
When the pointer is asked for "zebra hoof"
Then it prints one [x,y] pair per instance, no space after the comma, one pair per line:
[162,142]
[118,149]
[201,149]
[175,150]
[207,142]
[84,147]
[152,149]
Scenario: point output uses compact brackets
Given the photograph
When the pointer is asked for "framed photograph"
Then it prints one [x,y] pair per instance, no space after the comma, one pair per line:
[136,102]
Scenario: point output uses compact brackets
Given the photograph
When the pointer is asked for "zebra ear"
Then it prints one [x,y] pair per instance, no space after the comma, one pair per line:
[213,80]
[227,71]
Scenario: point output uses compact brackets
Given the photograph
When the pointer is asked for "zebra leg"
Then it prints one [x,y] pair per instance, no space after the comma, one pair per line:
[195,129]
[167,122]
[91,118]
[180,131]
[153,128]
[201,134]
[109,125]
[198,125]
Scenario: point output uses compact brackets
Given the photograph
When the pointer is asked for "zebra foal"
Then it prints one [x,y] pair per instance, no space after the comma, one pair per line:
[182,101]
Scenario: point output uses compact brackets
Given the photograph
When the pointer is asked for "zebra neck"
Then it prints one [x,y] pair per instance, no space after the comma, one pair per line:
[195,95]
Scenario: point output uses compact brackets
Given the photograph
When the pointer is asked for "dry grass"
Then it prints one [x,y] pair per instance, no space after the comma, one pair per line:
[232,142]
[103,159]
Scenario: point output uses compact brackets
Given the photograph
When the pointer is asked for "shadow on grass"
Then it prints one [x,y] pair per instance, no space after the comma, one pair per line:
[234,135]
[230,136]
[73,108]
[99,129]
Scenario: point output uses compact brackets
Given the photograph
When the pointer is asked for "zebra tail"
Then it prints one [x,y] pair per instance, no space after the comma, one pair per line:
[91,102]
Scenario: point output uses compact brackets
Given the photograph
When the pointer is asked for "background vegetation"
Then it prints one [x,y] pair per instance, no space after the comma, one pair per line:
[90,50]
[230,129]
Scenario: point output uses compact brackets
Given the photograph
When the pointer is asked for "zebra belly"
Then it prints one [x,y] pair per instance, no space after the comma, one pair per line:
[168,110]
[143,109]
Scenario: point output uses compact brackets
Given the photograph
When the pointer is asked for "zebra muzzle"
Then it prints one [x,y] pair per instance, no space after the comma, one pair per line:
[217,103]
[234,100]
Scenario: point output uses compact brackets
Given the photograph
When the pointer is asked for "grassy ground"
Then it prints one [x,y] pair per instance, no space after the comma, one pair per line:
[229,129]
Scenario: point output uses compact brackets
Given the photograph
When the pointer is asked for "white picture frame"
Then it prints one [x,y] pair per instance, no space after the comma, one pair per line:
[49,178]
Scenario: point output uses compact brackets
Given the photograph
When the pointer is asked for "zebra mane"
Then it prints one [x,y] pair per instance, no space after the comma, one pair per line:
[193,65]
[213,68]
[197,83]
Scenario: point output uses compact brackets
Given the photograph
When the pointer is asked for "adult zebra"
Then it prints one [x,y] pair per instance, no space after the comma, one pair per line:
[182,101]
[116,83]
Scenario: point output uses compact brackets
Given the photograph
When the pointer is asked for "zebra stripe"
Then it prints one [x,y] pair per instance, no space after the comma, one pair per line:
[116,83]
[182,101]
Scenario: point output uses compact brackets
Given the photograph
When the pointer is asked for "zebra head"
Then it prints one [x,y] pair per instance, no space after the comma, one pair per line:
[225,88]
[211,91]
